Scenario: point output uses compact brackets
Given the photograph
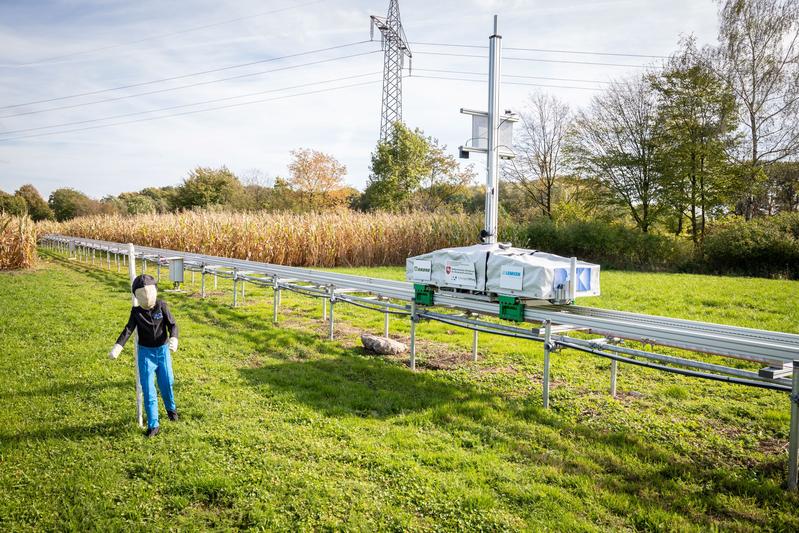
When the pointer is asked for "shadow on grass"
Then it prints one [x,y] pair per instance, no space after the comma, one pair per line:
[75,432]
[338,382]
[65,388]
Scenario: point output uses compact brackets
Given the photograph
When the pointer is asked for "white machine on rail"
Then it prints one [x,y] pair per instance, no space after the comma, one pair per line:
[495,271]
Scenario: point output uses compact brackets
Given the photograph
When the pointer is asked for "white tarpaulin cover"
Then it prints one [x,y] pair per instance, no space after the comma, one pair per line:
[494,268]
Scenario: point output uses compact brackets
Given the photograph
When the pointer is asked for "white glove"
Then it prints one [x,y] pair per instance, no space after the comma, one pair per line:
[173,344]
[115,351]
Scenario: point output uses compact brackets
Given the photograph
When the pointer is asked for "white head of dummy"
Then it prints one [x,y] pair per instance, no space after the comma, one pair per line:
[145,290]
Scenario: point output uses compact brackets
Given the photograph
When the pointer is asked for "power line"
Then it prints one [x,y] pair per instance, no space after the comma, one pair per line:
[180,106]
[190,75]
[506,76]
[239,104]
[509,83]
[547,50]
[536,60]
[197,84]
[179,32]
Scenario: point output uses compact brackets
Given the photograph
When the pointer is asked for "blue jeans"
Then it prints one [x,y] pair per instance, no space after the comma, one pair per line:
[156,361]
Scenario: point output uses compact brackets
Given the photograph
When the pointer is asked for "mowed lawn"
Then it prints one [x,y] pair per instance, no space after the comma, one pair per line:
[284,430]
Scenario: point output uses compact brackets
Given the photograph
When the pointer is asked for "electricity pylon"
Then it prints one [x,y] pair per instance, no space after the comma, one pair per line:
[395,48]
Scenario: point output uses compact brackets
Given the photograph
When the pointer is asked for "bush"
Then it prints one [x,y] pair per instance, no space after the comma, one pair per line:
[611,245]
[760,247]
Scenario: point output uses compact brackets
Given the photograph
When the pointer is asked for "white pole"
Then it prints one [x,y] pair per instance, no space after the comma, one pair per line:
[413,336]
[139,401]
[573,279]
[492,171]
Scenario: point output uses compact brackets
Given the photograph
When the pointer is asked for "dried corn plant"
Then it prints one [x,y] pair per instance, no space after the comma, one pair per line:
[17,242]
[344,238]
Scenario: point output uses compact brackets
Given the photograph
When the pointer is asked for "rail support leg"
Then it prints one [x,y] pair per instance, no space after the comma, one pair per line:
[330,317]
[158,274]
[192,278]
[793,442]
[385,322]
[235,286]
[547,349]
[614,367]
[275,301]
[116,255]
[202,282]
[108,258]
[413,336]
[143,265]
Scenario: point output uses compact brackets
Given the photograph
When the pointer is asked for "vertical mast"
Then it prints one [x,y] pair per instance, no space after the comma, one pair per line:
[492,181]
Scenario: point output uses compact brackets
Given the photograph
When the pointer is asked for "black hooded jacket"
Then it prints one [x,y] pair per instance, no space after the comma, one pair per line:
[154,326]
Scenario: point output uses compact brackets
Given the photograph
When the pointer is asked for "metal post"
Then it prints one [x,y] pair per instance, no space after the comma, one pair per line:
[275,300]
[202,282]
[492,170]
[413,336]
[192,277]
[385,322]
[116,256]
[547,347]
[93,254]
[158,278]
[793,441]
[330,316]
[108,258]
[613,369]
[235,286]
[143,265]
[139,400]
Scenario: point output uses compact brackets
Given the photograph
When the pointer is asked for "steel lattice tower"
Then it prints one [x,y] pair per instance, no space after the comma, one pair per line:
[395,48]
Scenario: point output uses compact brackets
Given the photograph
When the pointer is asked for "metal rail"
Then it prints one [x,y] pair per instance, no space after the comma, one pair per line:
[777,350]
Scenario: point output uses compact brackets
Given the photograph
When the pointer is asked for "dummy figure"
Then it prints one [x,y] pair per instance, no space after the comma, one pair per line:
[158,334]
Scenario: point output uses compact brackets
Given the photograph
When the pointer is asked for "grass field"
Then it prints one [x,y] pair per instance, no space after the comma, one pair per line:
[283,430]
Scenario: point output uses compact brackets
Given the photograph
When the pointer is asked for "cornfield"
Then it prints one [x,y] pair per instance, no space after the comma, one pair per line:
[344,238]
[17,242]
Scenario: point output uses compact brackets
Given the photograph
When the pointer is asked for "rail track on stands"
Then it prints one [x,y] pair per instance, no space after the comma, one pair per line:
[549,324]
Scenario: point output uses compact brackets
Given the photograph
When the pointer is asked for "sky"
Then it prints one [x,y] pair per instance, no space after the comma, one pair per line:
[68,67]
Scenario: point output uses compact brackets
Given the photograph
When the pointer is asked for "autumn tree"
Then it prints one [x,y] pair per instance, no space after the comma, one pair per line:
[315,175]
[446,183]
[36,205]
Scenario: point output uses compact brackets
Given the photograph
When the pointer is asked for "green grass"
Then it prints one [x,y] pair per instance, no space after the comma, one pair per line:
[284,430]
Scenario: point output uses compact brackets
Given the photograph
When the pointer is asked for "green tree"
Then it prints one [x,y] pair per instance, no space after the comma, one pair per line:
[446,183]
[399,164]
[37,207]
[68,203]
[12,204]
[697,118]
[206,186]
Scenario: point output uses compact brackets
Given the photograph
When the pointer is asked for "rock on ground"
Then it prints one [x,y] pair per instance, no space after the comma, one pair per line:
[382,345]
